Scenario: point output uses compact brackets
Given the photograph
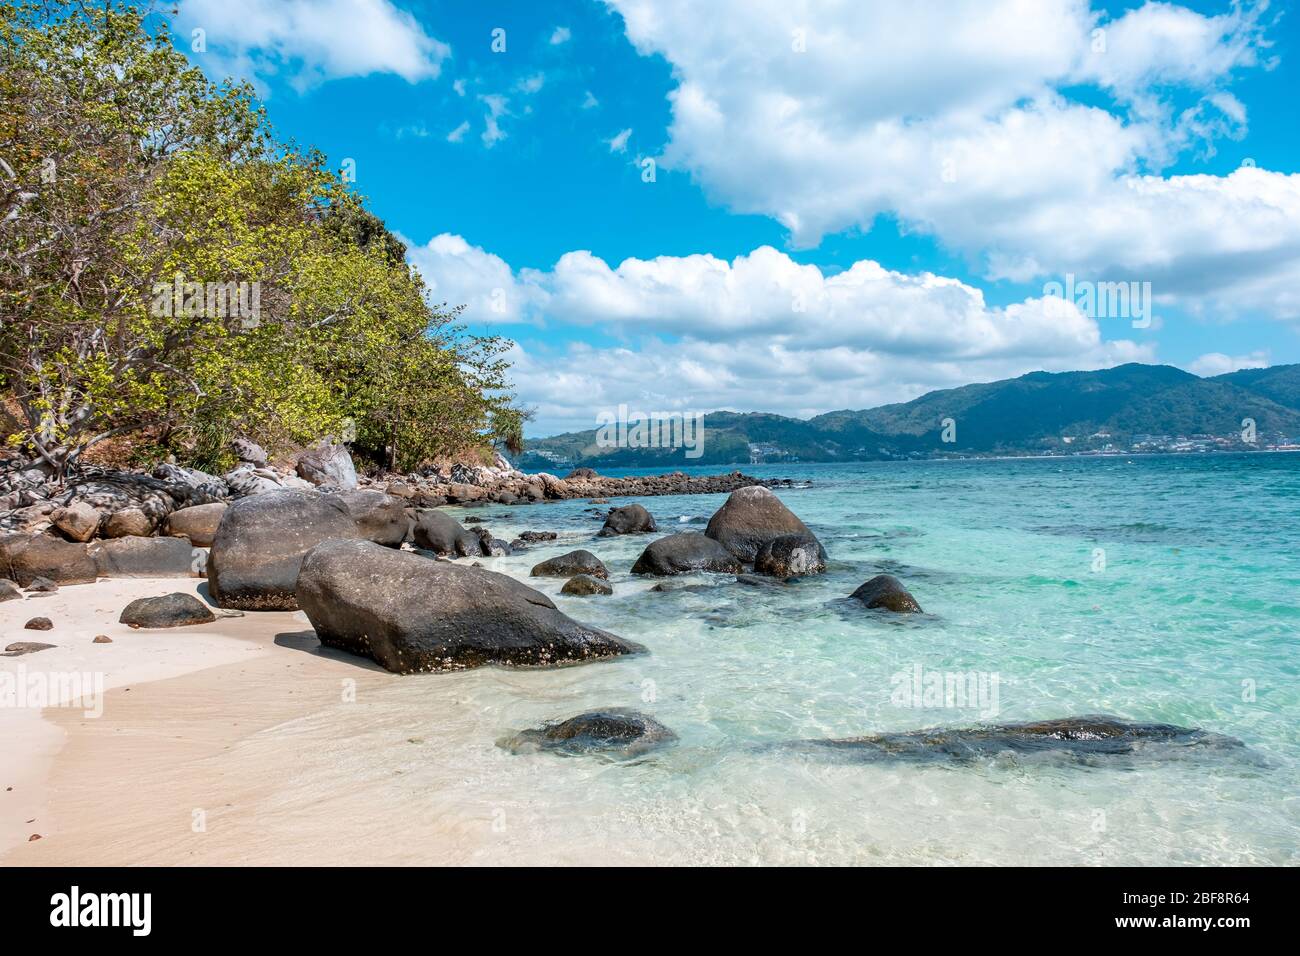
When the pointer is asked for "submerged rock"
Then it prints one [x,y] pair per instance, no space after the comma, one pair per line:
[1092,735]
[170,610]
[617,733]
[409,613]
[791,555]
[260,542]
[685,552]
[534,536]
[750,518]
[567,565]
[885,591]
[584,584]
[630,519]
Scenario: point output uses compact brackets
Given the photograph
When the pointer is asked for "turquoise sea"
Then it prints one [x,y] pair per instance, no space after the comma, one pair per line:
[1153,588]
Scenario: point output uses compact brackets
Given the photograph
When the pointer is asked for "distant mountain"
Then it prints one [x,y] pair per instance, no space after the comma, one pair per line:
[1116,409]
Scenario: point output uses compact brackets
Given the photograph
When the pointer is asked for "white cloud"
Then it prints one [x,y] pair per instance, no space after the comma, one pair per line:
[460,274]
[589,101]
[1216,363]
[618,143]
[531,84]
[957,117]
[560,35]
[759,332]
[458,134]
[310,42]
[497,107]
[459,87]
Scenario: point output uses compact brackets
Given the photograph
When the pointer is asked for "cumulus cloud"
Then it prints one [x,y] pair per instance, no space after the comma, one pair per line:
[961,119]
[1216,363]
[560,35]
[758,332]
[310,41]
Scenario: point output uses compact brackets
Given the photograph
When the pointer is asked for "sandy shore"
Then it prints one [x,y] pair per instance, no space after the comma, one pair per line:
[142,781]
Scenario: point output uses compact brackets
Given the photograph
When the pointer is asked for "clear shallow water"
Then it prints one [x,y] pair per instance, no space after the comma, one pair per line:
[1200,593]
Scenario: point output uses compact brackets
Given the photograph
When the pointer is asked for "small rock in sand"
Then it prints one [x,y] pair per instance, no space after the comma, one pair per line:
[39,624]
[102,639]
[18,648]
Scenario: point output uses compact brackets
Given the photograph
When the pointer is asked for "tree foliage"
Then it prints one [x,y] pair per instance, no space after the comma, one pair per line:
[168,268]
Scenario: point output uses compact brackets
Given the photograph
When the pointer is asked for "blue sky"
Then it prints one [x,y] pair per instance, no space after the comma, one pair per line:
[934,163]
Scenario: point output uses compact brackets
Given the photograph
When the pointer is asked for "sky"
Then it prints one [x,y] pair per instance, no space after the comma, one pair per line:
[797,206]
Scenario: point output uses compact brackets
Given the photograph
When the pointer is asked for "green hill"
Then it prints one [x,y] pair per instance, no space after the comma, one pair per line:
[1042,412]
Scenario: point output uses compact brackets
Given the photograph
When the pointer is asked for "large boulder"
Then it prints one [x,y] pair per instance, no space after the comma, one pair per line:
[119,491]
[198,523]
[749,519]
[411,614]
[328,464]
[630,519]
[9,591]
[191,487]
[78,521]
[260,542]
[24,558]
[440,533]
[886,592]
[136,557]
[127,523]
[791,555]
[686,552]
[567,565]
[581,585]
[380,517]
[170,610]
[247,480]
[249,451]
[614,733]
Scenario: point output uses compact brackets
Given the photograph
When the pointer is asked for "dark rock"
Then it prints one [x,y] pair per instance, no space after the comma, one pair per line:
[39,624]
[198,523]
[685,552]
[328,464]
[887,592]
[129,522]
[411,614]
[582,473]
[533,536]
[567,565]
[19,648]
[630,519]
[615,733]
[758,581]
[380,517]
[170,610]
[790,555]
[120,491]
[490,546]
[440,533]
[147,558]
[23,558]
[10,591]
[749,519]
[42,586]
[584,584]
[190,487]
[1079,737]
[260,543]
